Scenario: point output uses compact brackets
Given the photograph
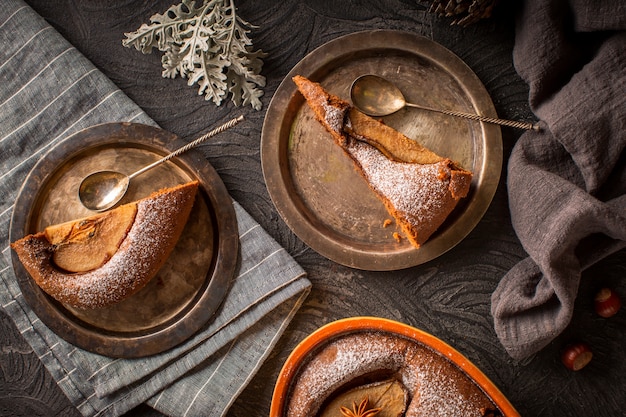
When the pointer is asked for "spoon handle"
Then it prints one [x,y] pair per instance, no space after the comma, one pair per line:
[503,122]
[188,146]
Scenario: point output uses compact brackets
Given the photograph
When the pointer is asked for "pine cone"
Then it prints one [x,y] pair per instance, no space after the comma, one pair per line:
[463,12]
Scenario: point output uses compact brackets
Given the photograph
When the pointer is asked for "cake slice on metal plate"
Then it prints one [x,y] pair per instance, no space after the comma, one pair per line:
[102,259]
[418,187]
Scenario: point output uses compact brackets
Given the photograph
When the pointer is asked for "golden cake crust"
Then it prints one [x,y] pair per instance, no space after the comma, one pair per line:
[393,144]
[158,223]
[418,187]
[435,386]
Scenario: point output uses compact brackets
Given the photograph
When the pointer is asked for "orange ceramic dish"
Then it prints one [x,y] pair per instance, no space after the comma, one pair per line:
[297,366]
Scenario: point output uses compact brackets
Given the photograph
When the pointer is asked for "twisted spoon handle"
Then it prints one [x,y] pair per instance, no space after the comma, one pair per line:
[188,146]
[503,122]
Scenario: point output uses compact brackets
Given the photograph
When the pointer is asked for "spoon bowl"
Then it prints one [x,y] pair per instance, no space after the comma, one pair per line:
[102,190]
[377,96]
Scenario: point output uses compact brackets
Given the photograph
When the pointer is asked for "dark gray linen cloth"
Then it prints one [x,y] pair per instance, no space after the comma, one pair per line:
[50,91]
[567,183]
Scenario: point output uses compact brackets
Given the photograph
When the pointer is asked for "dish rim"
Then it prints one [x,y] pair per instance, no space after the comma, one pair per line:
[277,172]
[326,333]
[206,302]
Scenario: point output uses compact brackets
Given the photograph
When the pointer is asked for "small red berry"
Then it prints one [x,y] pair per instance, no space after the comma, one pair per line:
[576,356]
[607,302]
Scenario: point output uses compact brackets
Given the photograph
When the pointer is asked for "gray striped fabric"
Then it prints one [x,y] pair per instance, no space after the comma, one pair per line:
[50,91]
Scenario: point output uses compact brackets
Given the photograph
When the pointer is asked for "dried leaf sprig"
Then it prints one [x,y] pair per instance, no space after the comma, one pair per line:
[208,45]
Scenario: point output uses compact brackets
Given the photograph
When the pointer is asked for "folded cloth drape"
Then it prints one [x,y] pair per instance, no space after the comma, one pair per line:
[50,91]
[567,183]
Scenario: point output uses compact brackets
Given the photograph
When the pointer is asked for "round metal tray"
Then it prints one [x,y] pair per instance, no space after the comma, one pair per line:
[314,185]
[186,292]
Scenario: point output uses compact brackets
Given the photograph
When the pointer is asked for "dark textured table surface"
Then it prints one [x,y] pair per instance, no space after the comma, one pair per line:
[448,297]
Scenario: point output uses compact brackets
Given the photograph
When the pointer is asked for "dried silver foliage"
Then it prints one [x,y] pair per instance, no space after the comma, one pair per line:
[208,45]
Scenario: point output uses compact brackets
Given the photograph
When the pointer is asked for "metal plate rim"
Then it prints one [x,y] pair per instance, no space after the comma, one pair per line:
[206,304]
[276,129]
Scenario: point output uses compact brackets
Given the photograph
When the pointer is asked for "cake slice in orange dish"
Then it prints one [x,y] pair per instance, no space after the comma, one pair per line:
[103,259]
[418,187]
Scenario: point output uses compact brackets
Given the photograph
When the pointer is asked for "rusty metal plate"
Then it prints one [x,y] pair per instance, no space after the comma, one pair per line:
[314,185]
[186,292]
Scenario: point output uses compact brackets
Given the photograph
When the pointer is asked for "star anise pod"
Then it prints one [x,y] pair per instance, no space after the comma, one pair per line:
[361,410]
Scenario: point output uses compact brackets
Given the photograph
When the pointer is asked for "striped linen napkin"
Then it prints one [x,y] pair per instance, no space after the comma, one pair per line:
[202,376]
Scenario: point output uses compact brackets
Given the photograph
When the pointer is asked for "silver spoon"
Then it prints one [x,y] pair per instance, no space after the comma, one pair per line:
[376,96]
[104,189]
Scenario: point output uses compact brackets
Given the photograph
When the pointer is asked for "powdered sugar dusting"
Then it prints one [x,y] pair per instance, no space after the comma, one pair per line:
[343,360]
[334,117]
[417,191]
[441,393]
[150,240]
[436,387]
[419,196]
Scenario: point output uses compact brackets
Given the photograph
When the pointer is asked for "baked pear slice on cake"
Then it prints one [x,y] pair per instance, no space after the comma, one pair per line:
[388,398]
[100,260]
[87,244]
[418,187]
